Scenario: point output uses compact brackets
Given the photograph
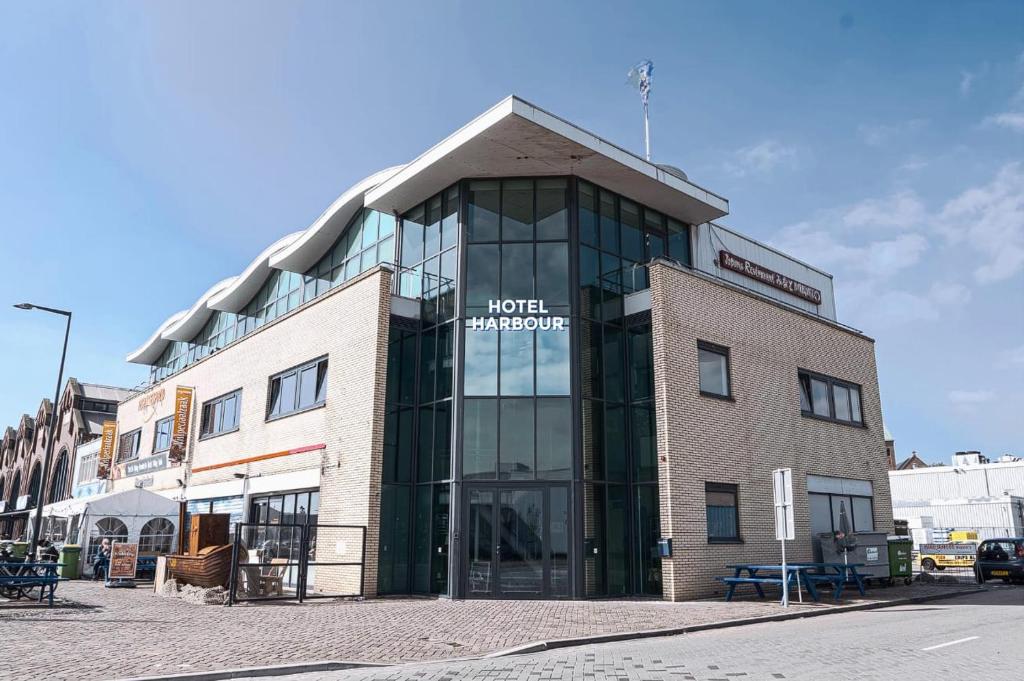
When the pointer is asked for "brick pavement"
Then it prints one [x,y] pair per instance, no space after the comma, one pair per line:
[99,633]
[875,645]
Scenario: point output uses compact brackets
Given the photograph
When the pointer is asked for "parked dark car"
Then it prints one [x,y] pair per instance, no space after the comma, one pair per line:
[1000,559]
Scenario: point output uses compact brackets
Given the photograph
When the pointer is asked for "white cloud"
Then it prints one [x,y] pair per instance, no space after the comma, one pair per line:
[1011,120]
[877,135]
[877,259]
[1014,357]
[903,209]
[990,220]
[966,82]
[970,397]
[761,158]
[949,293]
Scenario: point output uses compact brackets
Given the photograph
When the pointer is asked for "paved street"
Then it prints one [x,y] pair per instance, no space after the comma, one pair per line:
[974,636]
[85,638]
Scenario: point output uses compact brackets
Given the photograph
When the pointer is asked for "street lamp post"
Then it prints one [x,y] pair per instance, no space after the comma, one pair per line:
[41,495]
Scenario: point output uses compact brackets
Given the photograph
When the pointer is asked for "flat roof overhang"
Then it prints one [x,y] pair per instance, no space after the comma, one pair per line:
[515,138]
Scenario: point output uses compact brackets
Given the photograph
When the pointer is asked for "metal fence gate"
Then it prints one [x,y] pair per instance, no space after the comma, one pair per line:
[296,562]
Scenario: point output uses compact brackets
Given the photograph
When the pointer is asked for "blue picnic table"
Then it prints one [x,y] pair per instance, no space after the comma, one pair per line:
[20,580]
[807,575]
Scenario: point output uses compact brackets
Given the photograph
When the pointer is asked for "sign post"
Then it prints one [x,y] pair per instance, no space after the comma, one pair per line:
[124,559]
[782,486]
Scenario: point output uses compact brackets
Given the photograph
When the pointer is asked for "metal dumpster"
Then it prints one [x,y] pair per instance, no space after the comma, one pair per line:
[872,551]
[901,562]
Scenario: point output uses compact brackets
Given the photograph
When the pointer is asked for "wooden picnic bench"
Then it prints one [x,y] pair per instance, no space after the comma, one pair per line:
[29,580]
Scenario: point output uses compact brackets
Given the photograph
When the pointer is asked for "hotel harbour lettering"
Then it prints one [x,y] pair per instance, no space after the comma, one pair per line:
[518,315]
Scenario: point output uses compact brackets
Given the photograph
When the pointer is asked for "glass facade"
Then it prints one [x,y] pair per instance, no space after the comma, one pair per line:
[519,454]
[529,434]
[367,240]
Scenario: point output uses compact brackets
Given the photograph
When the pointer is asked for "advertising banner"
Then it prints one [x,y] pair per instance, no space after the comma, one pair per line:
[123,558]
[106,449]
[182,414]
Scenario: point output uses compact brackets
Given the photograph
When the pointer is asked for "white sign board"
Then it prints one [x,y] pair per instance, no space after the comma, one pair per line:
[782,483]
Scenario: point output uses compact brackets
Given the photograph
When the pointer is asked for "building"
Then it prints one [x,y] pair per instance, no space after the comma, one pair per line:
[974,493]
[519,361]
[83,408]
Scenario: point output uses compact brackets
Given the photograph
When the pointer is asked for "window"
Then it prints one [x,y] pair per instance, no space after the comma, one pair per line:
[162,434]
[157,536]
[220,415]
[88,468]
[829,398]
[303,387]
[723,512]
[714,369]
[827,511]
[128,447]
[93,405]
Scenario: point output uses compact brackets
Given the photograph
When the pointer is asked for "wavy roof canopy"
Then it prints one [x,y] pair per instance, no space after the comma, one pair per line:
[294,253]
[192,322]
[305,251]
[241,289]
[150,351]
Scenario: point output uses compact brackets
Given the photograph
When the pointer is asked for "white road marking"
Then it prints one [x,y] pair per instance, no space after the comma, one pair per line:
[951,643]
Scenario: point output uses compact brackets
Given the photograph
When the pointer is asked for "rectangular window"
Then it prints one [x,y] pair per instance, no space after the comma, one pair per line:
[829,398]
[302,387]
[128,447]
[714,369]
[722,503]
[220,415]
[162,434]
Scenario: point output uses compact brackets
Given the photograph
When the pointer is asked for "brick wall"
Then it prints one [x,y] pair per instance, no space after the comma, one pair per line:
[702,439]
[348,324]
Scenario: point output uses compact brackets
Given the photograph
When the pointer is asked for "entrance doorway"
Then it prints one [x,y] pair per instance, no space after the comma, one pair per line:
[517,538]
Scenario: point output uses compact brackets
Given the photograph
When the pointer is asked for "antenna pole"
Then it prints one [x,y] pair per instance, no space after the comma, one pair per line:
[647,135]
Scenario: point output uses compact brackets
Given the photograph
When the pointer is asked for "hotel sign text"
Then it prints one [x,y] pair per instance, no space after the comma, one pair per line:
[769,277]
[517,315]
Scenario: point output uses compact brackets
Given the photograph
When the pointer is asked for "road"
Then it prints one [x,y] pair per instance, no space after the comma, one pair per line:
[976,636]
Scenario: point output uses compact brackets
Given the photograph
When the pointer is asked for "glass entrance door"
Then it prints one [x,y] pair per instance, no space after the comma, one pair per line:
[518,541]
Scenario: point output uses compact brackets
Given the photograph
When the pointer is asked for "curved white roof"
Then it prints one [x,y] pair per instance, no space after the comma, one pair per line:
[149,352]
[305,251]
[235,296]
[192,322]
[294,253]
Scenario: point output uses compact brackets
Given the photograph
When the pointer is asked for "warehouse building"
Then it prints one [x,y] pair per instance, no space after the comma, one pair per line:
[519,361]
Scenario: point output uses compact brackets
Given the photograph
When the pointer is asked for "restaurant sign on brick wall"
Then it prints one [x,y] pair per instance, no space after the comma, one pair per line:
[770,277]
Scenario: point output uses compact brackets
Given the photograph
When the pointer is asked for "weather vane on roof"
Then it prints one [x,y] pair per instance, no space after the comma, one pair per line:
[640,77]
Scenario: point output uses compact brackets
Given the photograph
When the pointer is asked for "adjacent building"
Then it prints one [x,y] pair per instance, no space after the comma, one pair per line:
[520,361]
[82,409]
[973,494]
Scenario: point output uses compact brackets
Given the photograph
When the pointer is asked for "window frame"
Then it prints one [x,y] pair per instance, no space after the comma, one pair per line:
[728,488]
[137,433]
[220,399]
[852,518]
[718,350]
[296,372]
[156,433]
[831,383]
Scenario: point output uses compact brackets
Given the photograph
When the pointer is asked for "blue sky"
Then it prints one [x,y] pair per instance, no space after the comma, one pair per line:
[151,149]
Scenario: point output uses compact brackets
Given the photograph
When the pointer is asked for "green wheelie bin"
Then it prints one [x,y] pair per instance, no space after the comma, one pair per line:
[68,560]
[900,559]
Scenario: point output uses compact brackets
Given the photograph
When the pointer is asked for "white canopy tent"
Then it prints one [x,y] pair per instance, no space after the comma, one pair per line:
[133,515]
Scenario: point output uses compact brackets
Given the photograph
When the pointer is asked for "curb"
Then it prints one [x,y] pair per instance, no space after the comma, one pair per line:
[539,646]
[247,672]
